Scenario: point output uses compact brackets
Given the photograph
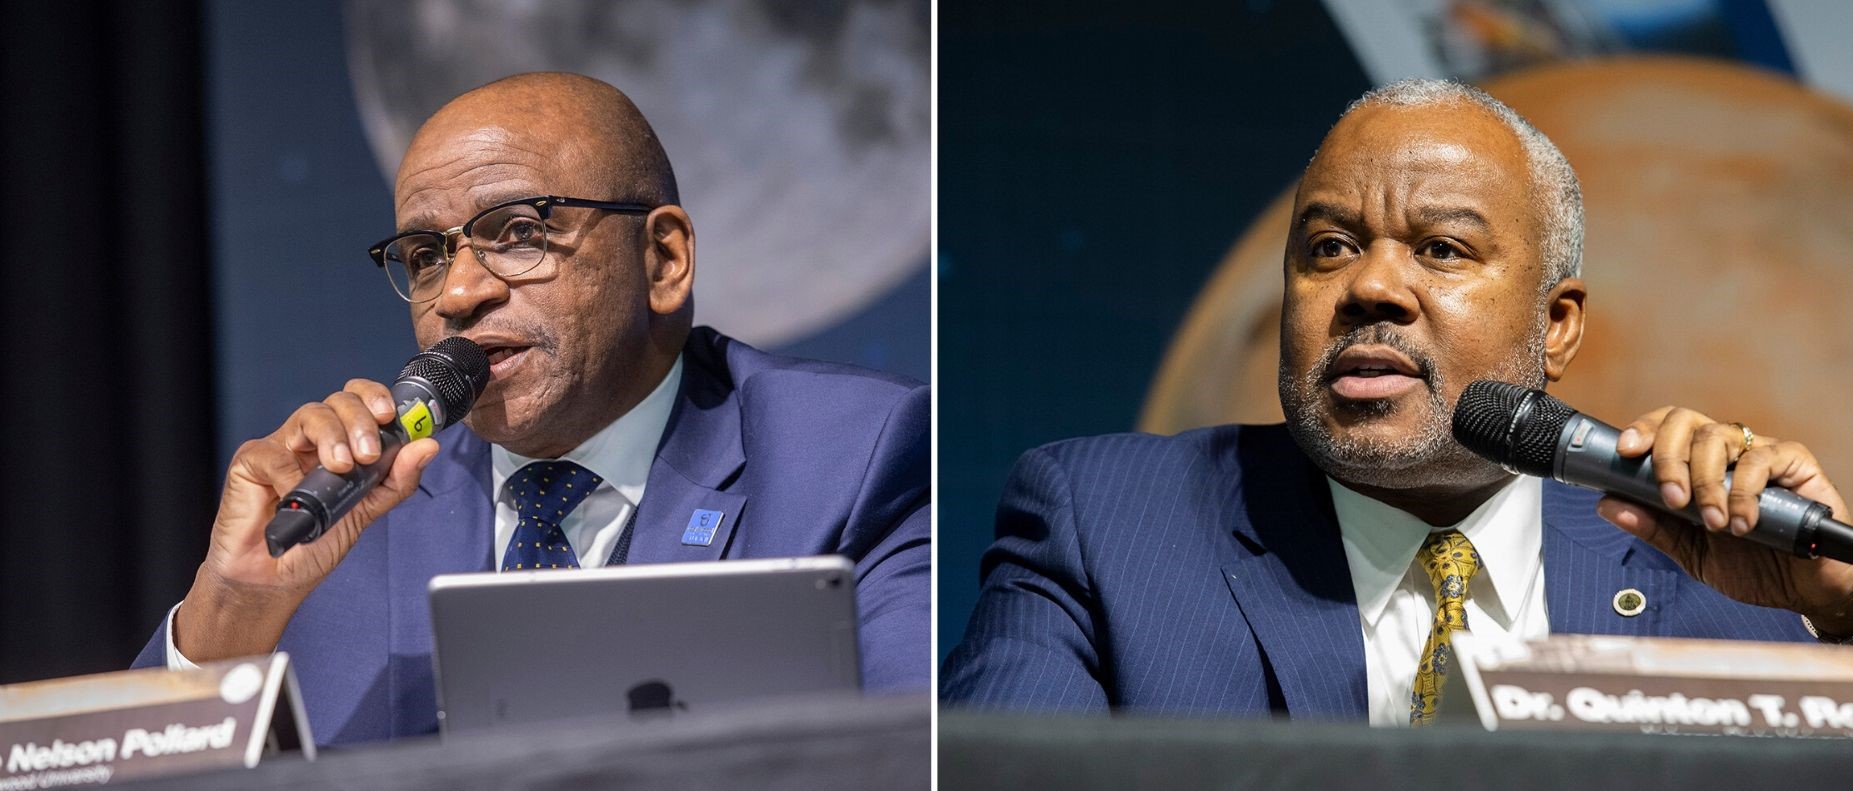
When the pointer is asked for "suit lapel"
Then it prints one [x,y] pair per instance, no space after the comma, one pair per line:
[665,530]
[1286,568]
[448,524]
[698,459]
[445,527]
[1588,562]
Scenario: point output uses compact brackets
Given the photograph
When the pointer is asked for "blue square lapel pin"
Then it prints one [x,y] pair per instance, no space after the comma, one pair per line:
[701,527]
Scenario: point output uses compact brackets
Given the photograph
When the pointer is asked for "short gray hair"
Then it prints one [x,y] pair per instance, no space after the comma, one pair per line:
[1558,197]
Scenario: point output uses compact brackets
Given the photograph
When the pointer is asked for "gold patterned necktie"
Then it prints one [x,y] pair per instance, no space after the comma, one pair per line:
[1451,562]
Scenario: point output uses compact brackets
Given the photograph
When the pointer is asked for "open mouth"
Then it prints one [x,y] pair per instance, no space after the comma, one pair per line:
[1369,372]
[504,358]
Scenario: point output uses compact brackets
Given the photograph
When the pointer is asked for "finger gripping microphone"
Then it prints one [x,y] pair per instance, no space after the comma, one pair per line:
[1531,433]
[436,388]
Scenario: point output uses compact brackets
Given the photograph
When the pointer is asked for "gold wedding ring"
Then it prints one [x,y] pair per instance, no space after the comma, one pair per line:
[1749,437]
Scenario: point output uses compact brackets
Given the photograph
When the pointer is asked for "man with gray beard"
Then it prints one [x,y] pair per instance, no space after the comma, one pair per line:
[1317,569]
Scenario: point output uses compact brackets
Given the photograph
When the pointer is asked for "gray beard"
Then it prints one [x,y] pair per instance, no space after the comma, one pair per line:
[1421,459]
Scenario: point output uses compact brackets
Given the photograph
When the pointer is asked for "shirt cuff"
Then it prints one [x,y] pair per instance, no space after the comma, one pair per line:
[175,661]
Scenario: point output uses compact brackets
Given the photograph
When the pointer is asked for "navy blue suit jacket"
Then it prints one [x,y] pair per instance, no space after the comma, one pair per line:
[1204,574]
[805,458]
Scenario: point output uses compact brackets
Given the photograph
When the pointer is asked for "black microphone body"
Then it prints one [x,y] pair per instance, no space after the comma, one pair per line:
[435,389]
[1529,432]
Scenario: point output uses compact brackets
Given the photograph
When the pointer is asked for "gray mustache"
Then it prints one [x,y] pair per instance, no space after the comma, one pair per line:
[1381,334]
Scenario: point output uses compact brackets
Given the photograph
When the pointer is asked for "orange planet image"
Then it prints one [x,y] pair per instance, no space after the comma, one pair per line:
[1719,203]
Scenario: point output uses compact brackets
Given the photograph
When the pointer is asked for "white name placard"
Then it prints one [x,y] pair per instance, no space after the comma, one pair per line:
[89,730]
[1653,685]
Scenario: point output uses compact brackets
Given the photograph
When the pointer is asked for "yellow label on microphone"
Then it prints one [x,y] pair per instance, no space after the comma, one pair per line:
[417,421]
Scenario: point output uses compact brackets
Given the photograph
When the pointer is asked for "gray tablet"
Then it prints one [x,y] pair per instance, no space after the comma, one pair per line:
[651,640]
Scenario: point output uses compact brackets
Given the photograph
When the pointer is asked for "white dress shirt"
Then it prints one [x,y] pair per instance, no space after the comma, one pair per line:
[620,453]
[1396,600]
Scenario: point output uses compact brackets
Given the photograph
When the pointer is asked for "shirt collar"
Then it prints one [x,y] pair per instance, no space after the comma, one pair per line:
[1381,542]
[621,452]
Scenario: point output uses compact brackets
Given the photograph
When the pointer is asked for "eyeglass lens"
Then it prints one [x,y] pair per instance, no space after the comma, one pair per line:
[509,242]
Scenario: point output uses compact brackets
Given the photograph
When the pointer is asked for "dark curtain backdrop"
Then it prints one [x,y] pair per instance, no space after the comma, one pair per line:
[109,484]
[1097,159]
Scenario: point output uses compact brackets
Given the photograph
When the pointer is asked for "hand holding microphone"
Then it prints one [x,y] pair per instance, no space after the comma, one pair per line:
[341,463]
[435,389]
[1762,533]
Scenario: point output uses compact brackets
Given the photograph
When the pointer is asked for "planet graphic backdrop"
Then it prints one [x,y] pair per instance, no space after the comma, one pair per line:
[1717,199]
[800,132]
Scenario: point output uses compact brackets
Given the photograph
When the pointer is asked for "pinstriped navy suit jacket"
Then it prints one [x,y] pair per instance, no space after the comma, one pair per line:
[1204,574]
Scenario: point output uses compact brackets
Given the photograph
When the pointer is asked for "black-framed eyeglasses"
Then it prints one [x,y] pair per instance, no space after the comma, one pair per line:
[509,239]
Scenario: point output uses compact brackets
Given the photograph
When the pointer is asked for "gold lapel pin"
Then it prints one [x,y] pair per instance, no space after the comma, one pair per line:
[1629,602]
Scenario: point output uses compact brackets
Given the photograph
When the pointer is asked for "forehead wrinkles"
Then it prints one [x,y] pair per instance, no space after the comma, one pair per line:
[1386,178]
[437,166]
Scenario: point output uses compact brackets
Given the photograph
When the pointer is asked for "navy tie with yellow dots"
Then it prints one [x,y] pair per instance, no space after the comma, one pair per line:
[544,493]
[1451,562]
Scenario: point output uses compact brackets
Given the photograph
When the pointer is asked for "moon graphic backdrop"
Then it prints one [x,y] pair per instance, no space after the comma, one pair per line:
[799,132]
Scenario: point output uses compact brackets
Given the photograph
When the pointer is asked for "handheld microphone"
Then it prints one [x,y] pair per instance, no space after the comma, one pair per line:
[1529,432]
[436,388]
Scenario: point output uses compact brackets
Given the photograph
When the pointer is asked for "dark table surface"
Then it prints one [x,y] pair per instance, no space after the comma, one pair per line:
[992,751]
[814,745]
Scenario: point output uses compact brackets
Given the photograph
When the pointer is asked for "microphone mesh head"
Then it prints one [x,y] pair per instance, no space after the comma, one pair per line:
[457,368]
[1483,417]
[1514,426]
[1534,448]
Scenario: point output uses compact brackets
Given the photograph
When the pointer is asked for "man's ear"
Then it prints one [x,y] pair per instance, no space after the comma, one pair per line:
[1564,334]
[669,258]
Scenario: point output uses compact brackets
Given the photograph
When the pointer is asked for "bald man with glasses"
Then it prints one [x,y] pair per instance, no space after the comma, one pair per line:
[538,217]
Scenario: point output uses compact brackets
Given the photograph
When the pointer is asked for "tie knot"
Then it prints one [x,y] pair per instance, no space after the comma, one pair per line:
[1451,562]
[549,490]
